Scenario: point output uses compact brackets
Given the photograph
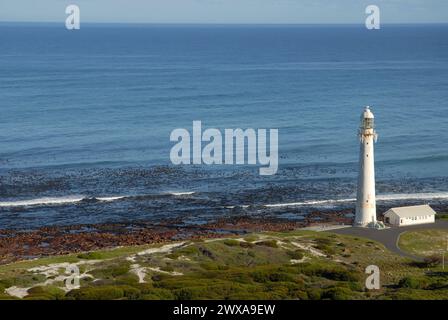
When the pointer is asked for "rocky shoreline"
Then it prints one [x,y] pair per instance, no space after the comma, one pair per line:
[22,244]
[18,245]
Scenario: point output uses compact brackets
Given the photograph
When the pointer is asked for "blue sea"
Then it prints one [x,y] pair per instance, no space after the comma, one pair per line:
[86,116]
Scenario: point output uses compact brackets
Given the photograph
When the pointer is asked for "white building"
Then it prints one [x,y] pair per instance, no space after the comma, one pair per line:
[365,200]
[405,216]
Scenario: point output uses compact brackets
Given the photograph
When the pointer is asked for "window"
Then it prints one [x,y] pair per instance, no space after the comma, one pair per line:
[368,123]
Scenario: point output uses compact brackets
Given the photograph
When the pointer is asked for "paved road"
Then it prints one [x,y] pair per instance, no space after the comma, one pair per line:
[389,237]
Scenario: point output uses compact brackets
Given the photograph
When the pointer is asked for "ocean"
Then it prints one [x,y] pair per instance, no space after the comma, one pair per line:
[86,117]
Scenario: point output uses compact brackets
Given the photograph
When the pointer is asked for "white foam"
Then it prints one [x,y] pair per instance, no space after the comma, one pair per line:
[182,193]
[107,199]
[413,196]
[42,201]
[382,197]
[305,203]
[54,201]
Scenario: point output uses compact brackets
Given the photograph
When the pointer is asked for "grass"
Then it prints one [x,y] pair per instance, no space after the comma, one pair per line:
[261,266]
[442,216]
[424,243]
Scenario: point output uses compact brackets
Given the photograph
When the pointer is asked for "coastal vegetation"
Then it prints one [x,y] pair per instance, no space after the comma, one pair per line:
[425,243]
[288,265]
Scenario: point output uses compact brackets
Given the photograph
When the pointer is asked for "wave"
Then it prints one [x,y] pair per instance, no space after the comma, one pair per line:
[56,201]
[75,199]
[182,193]
[379,198]
[107,199]
[42,201]
[310,202]
[79,198]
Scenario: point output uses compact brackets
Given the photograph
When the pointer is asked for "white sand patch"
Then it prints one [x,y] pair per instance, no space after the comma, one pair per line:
[173,273]
[163,249]
[338,261]
[17,292]
[52,270]
[310,249]
[23,292]
[297,261]
[139,271]
[183,258]
[223,239]
[282,244]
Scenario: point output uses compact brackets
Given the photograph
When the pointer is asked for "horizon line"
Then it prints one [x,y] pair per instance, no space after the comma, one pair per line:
[225,23]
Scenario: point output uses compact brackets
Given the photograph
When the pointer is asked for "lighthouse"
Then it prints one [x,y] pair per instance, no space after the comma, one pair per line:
[365,200]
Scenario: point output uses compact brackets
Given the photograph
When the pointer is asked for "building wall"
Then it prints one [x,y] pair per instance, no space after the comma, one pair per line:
[417,220]
[394,219]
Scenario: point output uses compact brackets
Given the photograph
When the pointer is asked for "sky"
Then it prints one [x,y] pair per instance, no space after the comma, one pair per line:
[226,11]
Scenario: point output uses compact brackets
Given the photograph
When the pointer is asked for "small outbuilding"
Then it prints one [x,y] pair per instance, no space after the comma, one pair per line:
[406,216]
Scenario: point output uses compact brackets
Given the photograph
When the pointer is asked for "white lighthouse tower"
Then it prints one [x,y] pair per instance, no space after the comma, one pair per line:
[365,201]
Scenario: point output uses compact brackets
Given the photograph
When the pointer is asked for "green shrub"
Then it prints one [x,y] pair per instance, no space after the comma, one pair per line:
[298,294]
[231,242]
[127,279]
[45,293]
[296,255]
[183,294]
[112,271]
[314,293]
[283,277]
[271,276]
[42,296]
[432,261]
[244,244]
[131,293]
[23,280]
[207,253]
[157,294]
[328,250]
[97,293]
[442,216]
[268,243]
[251,238]
[36,290]
[209,266]
[167,268]
[337,293]
[188,250]
[260,276]
[251,254]
[173,255]
[413,283]
[324,241]
[91,256]
[339,274]
[147,288]
[330,272]
[240,277]
[6,283]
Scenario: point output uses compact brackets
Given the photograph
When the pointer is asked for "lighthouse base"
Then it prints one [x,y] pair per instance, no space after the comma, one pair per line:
[379,225]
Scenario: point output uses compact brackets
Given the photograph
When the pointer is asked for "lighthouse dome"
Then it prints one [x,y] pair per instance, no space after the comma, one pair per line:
[367,114]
